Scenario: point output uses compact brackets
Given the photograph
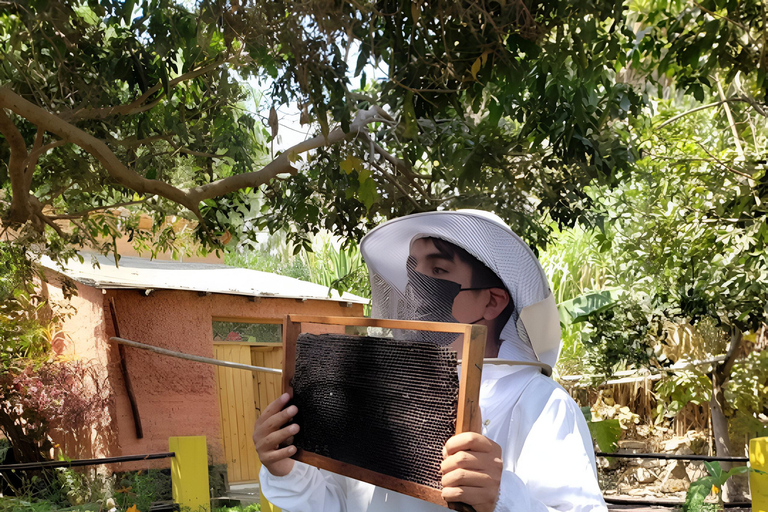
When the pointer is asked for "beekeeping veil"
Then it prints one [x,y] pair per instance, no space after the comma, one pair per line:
[533,331]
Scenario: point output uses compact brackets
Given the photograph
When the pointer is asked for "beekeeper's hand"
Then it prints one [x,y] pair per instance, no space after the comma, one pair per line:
[273,439]
[471,469]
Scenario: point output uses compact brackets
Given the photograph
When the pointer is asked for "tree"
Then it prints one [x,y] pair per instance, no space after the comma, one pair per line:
[686,239]
[139,102]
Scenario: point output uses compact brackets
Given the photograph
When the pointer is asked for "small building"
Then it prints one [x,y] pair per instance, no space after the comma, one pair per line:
[214,311]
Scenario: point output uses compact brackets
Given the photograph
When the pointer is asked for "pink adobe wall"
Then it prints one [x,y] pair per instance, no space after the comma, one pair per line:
[84,338]
[175,397]
[178,397]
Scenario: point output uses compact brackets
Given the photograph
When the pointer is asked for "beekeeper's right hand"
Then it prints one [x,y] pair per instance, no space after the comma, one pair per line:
[274,440]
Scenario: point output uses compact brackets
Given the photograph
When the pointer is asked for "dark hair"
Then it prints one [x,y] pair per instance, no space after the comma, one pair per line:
[482,276]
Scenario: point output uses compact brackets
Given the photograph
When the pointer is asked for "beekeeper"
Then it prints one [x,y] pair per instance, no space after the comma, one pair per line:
[535,452]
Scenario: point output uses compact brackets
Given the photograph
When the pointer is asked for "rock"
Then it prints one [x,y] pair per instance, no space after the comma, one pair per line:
[675,479]
[671,445]
[650,463]
[608,463]
[675,485]
[632,446]
[645,476]
[696,470]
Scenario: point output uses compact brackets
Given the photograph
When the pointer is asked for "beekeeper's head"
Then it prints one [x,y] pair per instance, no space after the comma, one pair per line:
[466,266]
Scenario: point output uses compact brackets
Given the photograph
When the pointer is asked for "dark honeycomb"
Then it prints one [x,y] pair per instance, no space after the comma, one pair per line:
[381,404]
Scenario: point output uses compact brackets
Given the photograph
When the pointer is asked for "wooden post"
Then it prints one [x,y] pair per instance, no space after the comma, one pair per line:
[758,484]
[265,505]
[189,473]
[126,375]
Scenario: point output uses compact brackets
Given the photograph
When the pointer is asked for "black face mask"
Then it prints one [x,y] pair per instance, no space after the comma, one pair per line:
[429,299]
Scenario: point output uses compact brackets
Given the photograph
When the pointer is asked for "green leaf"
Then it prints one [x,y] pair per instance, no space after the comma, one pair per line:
[697,493]
[606,434]
[367,193]
[409,115]
[351,163]
[579,308]
[86,13]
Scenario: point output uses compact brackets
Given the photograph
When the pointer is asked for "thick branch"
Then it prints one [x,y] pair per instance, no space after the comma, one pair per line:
[192,197]
[20,210]
[116,169]
[282,164]
[723,370]
[38,211]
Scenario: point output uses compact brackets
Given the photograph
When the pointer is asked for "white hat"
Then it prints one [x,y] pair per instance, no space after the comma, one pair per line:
[532,332]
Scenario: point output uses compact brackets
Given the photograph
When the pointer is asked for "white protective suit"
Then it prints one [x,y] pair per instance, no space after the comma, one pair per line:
[549,461]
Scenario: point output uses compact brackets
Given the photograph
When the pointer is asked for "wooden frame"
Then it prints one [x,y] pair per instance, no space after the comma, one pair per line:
[468,414]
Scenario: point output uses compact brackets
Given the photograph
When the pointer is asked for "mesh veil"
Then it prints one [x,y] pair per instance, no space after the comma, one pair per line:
[533,331]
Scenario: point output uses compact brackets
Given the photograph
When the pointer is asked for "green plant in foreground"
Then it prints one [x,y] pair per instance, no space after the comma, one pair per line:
[254,507]
[606,432]
[701,488]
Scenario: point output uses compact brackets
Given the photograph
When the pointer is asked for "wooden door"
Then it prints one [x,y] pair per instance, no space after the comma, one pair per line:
[237,406]
[266,386]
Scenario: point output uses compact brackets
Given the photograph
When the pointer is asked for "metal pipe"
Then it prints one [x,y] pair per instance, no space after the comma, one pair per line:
[671,456]
[666,503]
[190,357]
[84,462]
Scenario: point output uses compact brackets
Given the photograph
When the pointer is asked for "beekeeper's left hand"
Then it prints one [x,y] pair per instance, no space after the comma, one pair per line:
[471,469]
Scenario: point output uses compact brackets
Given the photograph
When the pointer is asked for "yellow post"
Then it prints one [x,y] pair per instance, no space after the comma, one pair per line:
[758,484]
[265,505]
[189,473]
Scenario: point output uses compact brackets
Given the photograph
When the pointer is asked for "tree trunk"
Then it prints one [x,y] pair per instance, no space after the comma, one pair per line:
[24,448]
[735,488]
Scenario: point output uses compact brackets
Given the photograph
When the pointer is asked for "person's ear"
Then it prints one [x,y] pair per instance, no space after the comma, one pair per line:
[497,302]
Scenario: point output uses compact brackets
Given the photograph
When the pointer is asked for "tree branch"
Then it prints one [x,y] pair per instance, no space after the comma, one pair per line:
[130,179]
[187,151]
[29,164]
[82,213]
[282,164]
[19,211]
[35,154]
[137,105]
[132,141]
[98,149]
[702,107]
[400,165]
[723,370]
[393,181]
[728,167]
[37,206]
[731,122]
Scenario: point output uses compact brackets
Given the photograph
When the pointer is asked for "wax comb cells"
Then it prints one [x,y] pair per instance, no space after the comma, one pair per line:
[381,404]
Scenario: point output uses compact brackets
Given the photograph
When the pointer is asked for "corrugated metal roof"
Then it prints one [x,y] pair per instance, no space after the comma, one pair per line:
[145,274]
